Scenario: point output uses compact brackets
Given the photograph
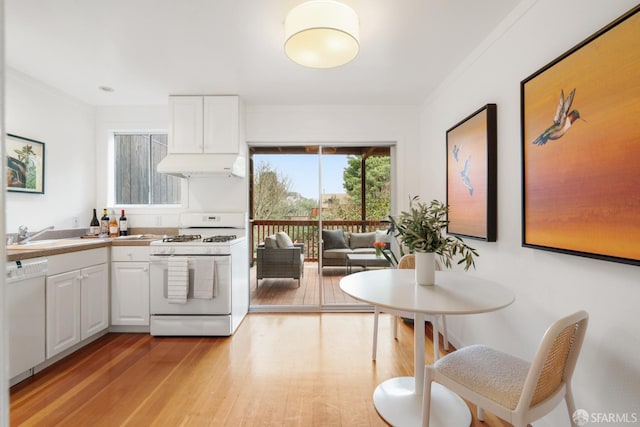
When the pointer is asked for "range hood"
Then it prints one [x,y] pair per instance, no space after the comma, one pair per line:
[194,165]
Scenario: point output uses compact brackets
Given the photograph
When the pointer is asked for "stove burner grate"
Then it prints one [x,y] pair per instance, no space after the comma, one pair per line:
[182,238]
[219,239]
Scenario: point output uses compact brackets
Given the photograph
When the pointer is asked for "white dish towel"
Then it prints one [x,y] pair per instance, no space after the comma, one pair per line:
[204,278]
[177,279]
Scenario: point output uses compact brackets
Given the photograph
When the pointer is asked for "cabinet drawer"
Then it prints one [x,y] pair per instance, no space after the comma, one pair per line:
[130,253]
[76,260]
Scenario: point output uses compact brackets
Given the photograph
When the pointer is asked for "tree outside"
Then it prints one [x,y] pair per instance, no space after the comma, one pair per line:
[273,197]
[378,188]
[270,193]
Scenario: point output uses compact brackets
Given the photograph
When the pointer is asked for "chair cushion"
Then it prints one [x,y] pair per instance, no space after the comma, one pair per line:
[362,240]
[491,373]
[336,253]
[334,239]
[382,236]
[283,240]
[370,250]
[270,242]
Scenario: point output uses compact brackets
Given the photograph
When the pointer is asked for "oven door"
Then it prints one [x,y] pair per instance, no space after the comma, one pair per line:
[220,304]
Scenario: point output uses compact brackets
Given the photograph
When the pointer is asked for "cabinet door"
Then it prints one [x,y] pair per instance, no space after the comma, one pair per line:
[63,311]
[94,306]
[221,124]
[130,293]
[185,124]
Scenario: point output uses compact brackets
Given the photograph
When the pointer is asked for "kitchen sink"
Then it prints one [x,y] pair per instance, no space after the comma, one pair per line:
[47,244]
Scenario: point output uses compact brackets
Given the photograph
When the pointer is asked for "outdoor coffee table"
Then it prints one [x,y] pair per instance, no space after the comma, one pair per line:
[365,261]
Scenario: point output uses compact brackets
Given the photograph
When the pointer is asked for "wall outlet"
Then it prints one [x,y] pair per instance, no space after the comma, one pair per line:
[158,220]
[74,222]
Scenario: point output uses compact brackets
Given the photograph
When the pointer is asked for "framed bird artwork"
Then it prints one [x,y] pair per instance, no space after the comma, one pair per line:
[25,165]
[581,148]
[472,175]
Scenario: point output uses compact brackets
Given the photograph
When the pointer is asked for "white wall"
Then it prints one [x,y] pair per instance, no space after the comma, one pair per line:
[4,335]
[547,285]
[66,126]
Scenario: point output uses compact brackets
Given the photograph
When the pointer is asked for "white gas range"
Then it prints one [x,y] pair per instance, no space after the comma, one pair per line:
[199,279]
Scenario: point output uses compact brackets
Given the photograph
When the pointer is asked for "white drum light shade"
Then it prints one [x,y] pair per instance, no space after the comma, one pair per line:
[321,34]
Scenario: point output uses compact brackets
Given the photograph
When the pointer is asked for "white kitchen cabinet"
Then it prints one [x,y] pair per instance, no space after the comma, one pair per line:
[94,297]
[77,298]
[130,285]
[63,311]
[204,124]
[221,124]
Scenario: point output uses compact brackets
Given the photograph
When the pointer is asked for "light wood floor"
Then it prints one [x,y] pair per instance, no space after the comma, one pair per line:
[276,370]
[287,292]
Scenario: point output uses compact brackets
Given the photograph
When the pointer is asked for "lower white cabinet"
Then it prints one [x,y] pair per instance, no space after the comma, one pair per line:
[130,286]
[77,301]
[94,300]
[63,311]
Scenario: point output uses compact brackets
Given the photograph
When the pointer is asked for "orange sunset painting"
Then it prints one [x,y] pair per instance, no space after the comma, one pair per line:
[468,147]
[581,149]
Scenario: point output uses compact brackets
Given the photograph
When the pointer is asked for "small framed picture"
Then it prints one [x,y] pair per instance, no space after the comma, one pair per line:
[25,165]
[472,175]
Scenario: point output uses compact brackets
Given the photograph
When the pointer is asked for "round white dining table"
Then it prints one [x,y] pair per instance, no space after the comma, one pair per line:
[399,400]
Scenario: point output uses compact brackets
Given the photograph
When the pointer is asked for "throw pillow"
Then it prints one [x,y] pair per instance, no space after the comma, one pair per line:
[362,240]
[334,239]
[283,239]
[270,242]
[382,236]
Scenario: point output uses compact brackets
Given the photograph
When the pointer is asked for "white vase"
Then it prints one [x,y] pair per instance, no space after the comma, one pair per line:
[425,268]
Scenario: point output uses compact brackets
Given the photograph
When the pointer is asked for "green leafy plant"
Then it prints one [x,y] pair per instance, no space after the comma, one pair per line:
[421,229]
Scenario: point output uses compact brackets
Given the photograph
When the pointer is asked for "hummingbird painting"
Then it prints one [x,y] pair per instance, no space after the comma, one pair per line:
[464,174]
[456,152]
[562,121]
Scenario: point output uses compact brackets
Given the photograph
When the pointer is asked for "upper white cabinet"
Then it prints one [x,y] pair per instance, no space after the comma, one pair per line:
[204,124]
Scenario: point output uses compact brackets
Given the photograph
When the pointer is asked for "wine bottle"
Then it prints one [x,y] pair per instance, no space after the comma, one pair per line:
[104,224]
[94,226]
[123,224]
[113,225]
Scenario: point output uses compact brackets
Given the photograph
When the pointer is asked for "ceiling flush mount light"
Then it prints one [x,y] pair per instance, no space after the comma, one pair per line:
[321,34]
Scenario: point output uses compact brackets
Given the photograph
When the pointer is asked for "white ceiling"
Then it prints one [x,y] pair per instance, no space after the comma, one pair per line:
[149,49]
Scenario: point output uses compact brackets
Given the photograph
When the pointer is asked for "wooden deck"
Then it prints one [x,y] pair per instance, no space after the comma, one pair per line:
[287,292]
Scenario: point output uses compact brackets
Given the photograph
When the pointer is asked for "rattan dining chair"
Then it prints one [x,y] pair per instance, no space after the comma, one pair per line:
[409,262]
[513,389]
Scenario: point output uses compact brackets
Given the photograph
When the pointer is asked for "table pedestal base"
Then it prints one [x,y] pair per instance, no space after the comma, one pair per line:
[399,405]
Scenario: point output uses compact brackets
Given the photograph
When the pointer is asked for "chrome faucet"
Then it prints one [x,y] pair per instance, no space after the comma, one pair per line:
[24,236]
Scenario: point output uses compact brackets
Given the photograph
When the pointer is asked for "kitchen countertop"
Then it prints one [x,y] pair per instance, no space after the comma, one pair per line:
[81,245]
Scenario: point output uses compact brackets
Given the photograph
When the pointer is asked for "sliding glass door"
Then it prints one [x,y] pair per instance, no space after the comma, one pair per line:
[300,194]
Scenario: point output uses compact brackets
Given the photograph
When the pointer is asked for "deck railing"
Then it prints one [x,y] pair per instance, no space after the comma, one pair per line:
[306,231]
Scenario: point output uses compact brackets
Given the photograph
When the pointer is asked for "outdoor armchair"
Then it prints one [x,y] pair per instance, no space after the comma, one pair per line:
[280,262]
